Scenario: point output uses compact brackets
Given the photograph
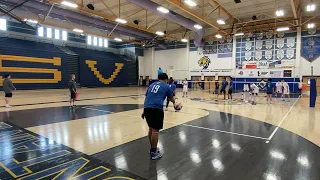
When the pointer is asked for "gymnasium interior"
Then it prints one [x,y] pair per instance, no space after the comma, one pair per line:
[116,48]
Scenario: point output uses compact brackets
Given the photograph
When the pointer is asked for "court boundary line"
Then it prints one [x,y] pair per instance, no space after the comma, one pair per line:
[284,118]
[184,124]
[52,102]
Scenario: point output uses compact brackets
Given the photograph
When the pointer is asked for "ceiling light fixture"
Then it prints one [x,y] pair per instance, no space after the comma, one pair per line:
[190,3]
[160,33]
[311,7]
[283,29]
[239,34]
[78,30]
[122,21]
[118,39]
[31,21]
[197,26]
[311,25]
[184,40]
[220,21]
[279,13]
[218,36]
[69,4]
[163,10]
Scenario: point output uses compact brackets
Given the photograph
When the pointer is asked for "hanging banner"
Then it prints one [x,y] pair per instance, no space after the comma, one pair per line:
[290,53]
[280,34]
[280,43]
[259,44]
[258,55]
[291,42]
[280,54]
[269,34]
[268,54]
[248,45]
[269,43]
[229,47]
[310,48]
[248,56]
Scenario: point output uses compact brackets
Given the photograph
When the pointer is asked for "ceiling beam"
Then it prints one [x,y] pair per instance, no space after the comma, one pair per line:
[294,10]
[107,7]
[112,19]
[178,4]
[216,3]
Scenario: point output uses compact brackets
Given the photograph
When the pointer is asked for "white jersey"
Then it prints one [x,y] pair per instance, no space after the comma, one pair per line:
[245,87]
[254,88]
[286,88]
[185,86]
[279,87]
[300,85]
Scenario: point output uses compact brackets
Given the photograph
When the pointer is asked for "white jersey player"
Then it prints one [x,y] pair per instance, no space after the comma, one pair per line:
[278,88]
[245,91]
[185,88]
[286,90]
[254,92]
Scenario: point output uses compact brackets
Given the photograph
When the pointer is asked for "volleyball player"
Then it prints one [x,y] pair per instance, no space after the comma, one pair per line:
[73,90]
[254,93]
[230,91]
[278,88]
[224,84]
[153,111]
[7,88]
[185,88]
[270,89]
[173,89]
[245,92]
[286,91]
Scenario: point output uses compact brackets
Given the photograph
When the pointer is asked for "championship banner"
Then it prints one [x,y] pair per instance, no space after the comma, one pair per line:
[280,34]
[248,45]
[259,44]
[269,43]
[291,42]
[221,48]
[280,54]
[229,47]
[269,34]
[290,53]
[248,56]
[280,43]
[258,55]
[310,48]
[268,54]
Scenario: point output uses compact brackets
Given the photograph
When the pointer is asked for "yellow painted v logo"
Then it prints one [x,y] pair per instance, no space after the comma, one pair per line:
[91,64]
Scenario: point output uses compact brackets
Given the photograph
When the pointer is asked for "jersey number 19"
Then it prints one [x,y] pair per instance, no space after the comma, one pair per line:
[155,88]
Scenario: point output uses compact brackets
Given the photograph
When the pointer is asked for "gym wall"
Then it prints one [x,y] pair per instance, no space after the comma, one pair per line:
[36,65]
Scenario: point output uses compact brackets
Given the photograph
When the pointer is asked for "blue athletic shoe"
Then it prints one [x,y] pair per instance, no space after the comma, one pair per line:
[156,155]
[288,100]
[158,150]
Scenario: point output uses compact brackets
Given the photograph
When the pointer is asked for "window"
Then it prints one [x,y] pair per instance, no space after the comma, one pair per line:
[100,42]
[49,33]
[64,35]
[40,31]
[3,24]
[105,43]
[95,41]
[57,34]
[89,40]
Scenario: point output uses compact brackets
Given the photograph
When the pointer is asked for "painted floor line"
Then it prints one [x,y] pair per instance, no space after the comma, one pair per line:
[199,127]
[217,130]
[285,116]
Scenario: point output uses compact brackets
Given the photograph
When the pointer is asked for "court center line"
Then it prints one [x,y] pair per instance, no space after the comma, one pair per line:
[183,124]
[285,116]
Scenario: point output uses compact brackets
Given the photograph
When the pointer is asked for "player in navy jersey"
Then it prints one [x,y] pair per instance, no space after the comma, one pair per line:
[270,89]
[153,111]
[173,88]
[230,91]
[224,84]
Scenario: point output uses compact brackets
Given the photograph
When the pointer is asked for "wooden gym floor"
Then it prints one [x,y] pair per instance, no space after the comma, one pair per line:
[105,138]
